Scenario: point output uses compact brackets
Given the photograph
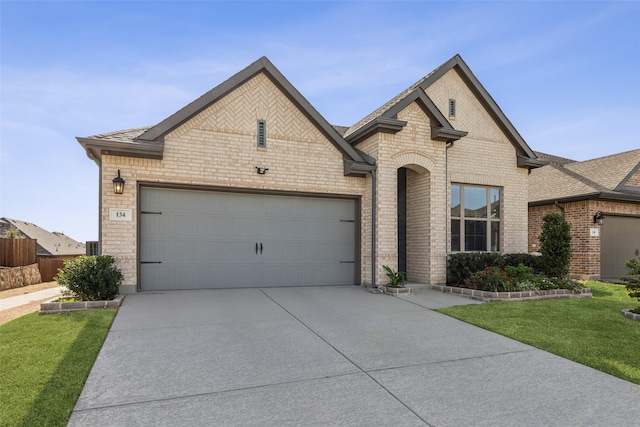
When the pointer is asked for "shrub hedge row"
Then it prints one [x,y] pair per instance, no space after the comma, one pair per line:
[461,266]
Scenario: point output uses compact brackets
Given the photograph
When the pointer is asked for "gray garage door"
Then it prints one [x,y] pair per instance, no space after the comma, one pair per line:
[619,242]
[201,239]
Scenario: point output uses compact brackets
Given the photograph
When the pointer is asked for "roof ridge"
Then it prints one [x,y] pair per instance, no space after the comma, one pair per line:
[581,178]
[391,102]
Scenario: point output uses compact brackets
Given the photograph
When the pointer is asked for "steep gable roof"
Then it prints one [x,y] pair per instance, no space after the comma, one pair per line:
[387,113]
[566,180]
[49,243]
[149,142]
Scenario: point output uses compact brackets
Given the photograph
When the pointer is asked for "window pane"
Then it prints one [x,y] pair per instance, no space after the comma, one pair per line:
[495,203]
[495,236]
[475,202]
[475,235]
[455,200]
[455,235]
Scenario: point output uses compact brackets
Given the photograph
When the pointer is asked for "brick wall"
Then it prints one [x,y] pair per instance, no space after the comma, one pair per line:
[634,181]
[585,249]
[484,157]
[217,148]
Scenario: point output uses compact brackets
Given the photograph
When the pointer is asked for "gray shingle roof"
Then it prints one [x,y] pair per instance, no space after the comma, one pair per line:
[387,105]
[126,136]
[49,243]
[564,178]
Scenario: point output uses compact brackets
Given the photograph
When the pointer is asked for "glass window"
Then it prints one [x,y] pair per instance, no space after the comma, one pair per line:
[495,203]
[475,202]
[475,218]
[495,236]
[455,200]
[455,235]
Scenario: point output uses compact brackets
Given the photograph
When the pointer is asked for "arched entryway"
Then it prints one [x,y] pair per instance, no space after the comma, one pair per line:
[414,222]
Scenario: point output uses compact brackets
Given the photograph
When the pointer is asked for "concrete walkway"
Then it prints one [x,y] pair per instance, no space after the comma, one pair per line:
[331,356]
[19,300]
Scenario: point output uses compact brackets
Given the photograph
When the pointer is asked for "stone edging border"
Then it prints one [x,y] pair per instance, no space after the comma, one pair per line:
[629,315]
[397,291]
[65,307]
[514,296]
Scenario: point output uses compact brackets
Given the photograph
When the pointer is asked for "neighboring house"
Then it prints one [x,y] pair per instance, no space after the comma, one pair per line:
[600,198]
[49,243]
[249,186]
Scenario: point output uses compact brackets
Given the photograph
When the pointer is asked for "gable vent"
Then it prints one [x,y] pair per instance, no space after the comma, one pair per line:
[262,133]
[452,108]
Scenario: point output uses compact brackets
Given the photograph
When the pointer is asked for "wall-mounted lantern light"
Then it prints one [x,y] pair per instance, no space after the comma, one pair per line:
[598,218]
[118,184]
[261,171]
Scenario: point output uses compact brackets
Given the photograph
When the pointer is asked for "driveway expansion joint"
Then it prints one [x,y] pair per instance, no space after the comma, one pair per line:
[350,361]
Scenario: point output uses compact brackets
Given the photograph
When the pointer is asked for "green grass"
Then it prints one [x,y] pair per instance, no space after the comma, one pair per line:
[588,331]
[45,361]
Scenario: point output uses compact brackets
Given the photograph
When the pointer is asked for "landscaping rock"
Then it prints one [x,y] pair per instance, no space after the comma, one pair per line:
[17,277]
[65,307]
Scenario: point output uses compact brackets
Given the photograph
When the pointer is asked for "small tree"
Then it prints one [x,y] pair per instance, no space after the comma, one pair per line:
[91,278]
[12,233]
[632,279]
[555,245]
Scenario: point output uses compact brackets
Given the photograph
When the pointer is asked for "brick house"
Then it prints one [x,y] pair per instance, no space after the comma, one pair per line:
[600,198]
[250,186]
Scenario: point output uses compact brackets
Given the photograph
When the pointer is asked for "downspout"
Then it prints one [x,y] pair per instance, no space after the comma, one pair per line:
[559,206]
[373,228]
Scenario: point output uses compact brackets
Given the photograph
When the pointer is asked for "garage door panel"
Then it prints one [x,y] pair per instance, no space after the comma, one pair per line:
[620,241]
[208,240]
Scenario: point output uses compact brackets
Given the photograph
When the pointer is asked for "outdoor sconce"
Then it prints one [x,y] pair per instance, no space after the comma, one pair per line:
[598,218]
[118,184]
[261,171]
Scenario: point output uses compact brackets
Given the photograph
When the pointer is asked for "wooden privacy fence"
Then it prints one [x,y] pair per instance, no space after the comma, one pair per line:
[17,252]
[49,265]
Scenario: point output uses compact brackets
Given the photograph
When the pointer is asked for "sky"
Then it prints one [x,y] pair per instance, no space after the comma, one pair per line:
[566,74]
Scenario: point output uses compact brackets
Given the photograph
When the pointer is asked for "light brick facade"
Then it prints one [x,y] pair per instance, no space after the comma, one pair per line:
[218,149]
[215,148]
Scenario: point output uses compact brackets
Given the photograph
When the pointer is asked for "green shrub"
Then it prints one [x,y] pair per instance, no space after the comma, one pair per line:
[555,245]
[546,283]
[91,278]
[461,265]
[521,273]
[528,260]
[491,279]
[396,278]
[632,279]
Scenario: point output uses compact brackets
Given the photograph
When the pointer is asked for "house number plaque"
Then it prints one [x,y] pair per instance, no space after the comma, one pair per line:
[120,214]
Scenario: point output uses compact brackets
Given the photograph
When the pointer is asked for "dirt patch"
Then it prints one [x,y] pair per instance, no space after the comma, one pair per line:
[27,289]
[14,313]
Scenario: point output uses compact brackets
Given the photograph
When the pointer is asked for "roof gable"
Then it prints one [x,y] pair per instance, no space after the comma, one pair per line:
[609,177]
[418,93]
[608,171]
[149,142]
[262,65]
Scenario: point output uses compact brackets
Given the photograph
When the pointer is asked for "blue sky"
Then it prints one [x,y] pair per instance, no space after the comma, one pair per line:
[564,73]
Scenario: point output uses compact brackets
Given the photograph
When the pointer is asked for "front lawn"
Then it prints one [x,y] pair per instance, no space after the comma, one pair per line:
[589,331]
[45,361]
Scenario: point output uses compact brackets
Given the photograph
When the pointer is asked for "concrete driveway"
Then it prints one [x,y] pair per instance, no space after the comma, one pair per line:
[331,356]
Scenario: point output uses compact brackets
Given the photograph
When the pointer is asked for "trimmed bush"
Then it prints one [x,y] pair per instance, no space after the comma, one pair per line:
[461,265]
[555,245]
[528,260]
[492,279]
[632,280]
[91,278]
